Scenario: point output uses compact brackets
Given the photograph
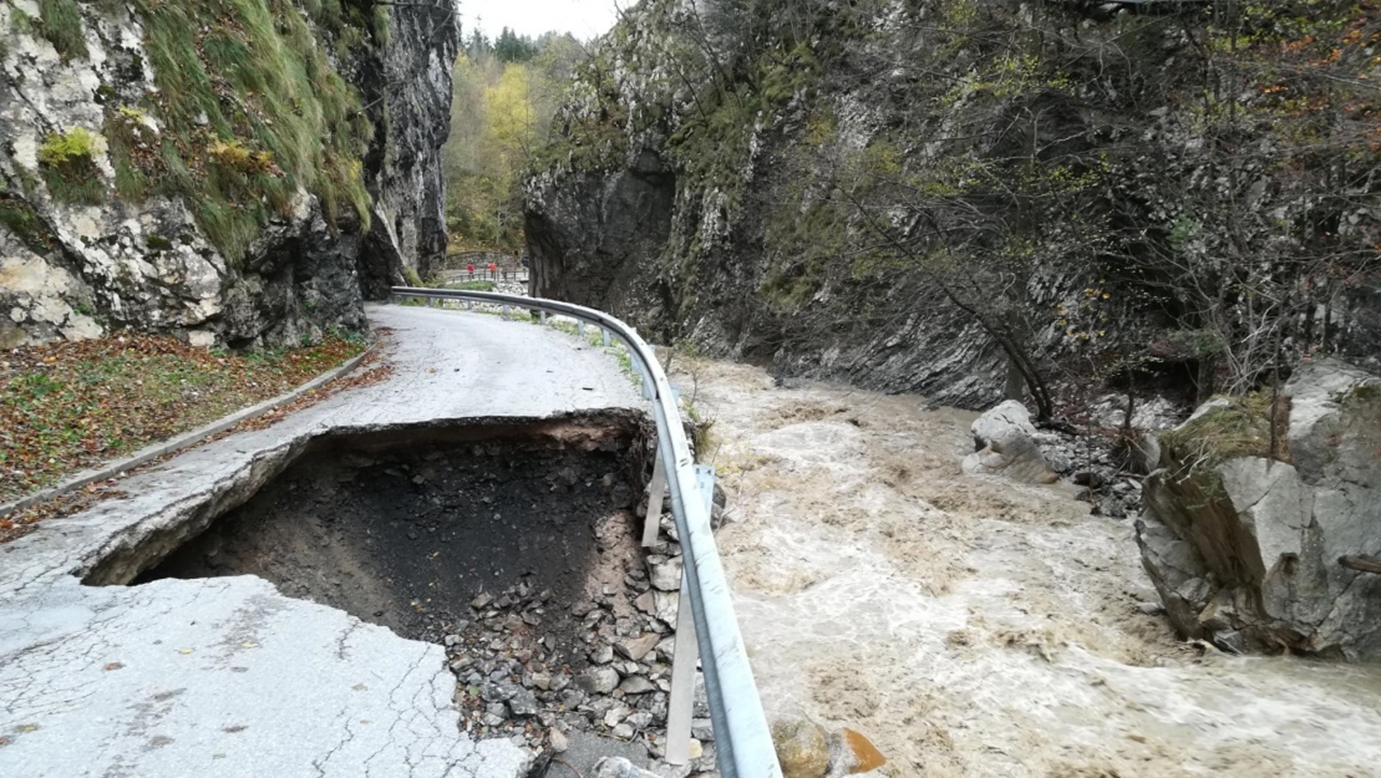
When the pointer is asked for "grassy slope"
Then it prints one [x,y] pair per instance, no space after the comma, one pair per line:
[249,109]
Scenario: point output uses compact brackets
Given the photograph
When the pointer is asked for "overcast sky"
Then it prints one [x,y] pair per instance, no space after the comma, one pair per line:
[582,18]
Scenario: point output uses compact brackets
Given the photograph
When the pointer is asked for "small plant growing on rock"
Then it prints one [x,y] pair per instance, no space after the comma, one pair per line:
[68,162]
[65,148]
[133,114]
[236,156]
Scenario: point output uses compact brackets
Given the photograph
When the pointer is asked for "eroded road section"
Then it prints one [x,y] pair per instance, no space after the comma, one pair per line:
[227,676]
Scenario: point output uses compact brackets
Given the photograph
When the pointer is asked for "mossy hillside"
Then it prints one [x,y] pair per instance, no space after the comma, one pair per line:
[249,108]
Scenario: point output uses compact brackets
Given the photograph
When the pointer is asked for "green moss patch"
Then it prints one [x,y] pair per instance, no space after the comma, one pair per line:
[1241,428]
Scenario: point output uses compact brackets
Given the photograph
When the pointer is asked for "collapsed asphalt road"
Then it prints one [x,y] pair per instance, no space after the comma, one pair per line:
[227,676]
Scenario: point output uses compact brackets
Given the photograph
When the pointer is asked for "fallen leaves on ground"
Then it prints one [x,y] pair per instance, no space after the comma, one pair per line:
[70,406]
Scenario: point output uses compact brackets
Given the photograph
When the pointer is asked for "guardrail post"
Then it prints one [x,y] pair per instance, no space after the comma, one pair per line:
[605,333]
[544,316]
[580,329]
[686,656]
[649,390]
[503,312]
[656,490]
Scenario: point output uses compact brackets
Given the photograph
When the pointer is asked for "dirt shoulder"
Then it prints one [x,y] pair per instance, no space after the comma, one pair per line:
[67,407]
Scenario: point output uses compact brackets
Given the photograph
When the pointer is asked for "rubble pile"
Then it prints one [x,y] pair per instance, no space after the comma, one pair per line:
[533,665]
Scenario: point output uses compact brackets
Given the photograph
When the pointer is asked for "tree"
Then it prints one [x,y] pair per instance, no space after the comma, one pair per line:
[477,46]
[501,112]
[510,47]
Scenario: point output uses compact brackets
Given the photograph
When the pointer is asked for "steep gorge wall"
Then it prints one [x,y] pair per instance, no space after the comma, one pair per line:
[240,172]
[882,191]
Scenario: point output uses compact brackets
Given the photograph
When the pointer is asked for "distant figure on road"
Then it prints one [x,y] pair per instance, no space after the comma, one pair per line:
[494,270]
[471,268]
[527,263]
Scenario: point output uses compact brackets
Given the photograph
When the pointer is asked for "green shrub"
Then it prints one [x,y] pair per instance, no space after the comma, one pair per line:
[473,286]
[65,148]
[67,161]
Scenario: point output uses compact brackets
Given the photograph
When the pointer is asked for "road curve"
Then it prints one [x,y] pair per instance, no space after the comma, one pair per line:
[226,677]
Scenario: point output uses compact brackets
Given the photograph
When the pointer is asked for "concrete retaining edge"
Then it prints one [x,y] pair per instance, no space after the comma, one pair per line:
[183,441]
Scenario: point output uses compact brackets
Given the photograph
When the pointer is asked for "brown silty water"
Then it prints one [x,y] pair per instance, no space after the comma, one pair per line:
[977,627]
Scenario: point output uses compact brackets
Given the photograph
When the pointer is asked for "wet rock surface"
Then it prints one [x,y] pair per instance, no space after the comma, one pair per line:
[1005,444]
[1105,457]
[1269,544]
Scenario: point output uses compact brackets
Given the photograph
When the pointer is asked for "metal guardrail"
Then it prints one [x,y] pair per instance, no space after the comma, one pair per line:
[743,741]
[484,274]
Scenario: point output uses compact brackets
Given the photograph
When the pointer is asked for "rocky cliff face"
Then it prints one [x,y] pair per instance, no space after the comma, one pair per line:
[243,172]
[904,193]
[409,85]
[1269,541]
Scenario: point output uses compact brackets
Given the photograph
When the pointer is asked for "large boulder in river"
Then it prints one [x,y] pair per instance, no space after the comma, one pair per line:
[1005,444]
[1263,522]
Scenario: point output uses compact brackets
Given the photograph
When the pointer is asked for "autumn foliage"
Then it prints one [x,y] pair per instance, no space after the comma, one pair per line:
[65,407]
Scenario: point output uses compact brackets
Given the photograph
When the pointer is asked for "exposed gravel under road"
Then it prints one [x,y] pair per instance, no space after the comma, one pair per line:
[226,676]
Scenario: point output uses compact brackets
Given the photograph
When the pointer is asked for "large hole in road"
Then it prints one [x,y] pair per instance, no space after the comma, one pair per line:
[515,546]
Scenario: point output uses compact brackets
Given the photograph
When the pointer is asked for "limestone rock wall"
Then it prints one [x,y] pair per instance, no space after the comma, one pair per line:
[1256,553]
[721,170]
[85,258]
[408,87]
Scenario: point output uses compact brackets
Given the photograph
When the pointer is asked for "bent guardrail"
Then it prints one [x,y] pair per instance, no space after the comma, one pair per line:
[743,741]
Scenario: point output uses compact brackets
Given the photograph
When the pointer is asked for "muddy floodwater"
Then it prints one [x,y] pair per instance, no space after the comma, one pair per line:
[980,628]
